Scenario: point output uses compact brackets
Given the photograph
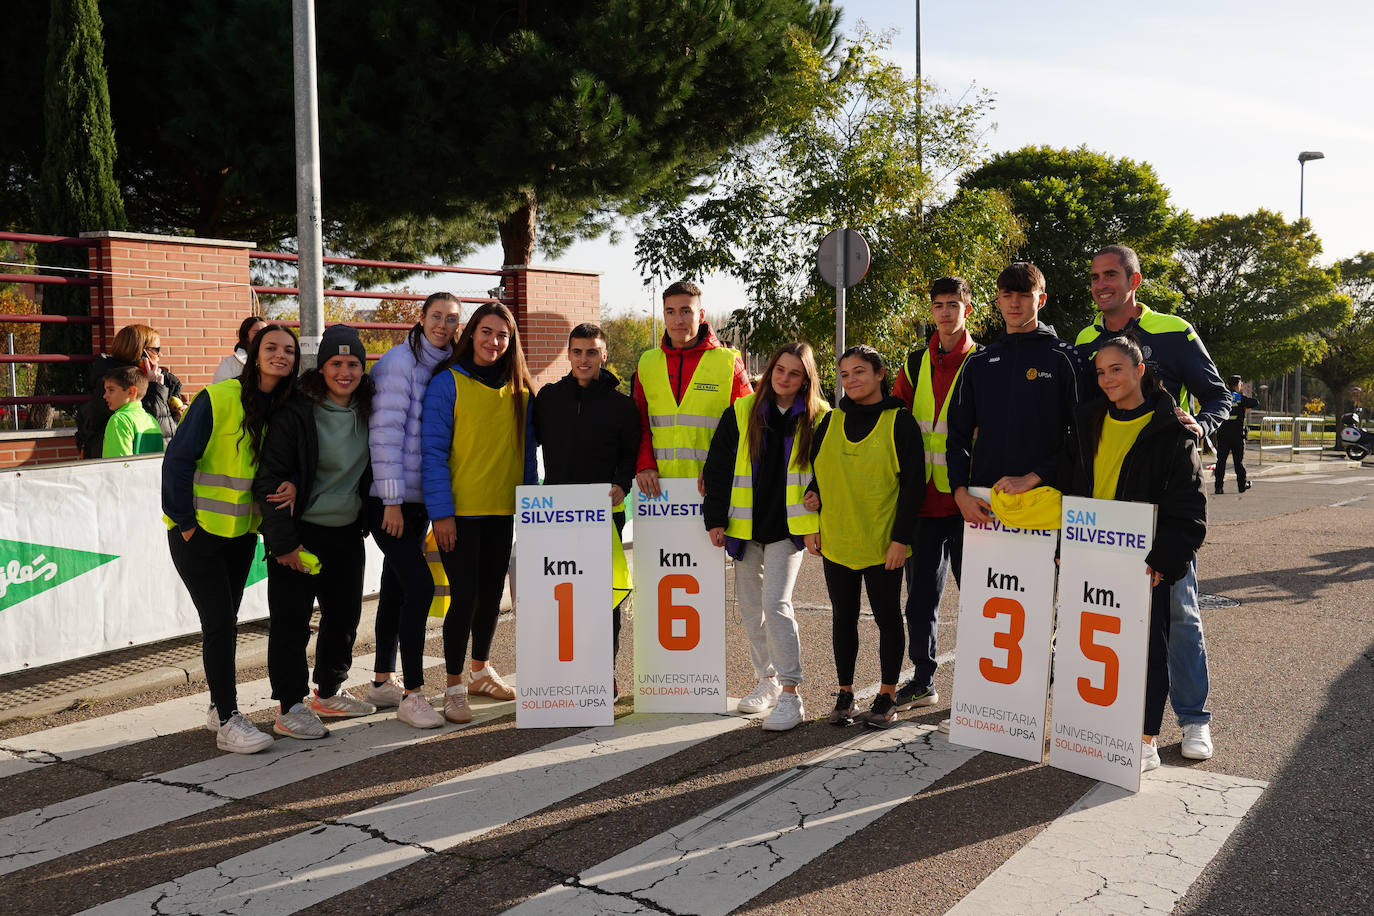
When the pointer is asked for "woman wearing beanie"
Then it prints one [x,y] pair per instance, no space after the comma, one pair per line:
[315,543]
[1130,446]
[395,509]
[755,475]
[870,478]
[478,440]
[212,519]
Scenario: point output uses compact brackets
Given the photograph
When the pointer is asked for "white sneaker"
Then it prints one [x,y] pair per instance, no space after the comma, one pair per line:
[1149,757]
[1197,741]
[763,697]
[414,710]
[301,723]
[943,727]
[787,714]
[212,722]
[239,736]
[384,697]
[341,705]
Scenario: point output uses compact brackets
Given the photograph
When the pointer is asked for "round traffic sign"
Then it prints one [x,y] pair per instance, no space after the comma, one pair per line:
[842,258]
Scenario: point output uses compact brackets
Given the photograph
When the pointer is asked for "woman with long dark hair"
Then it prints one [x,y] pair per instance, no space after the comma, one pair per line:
[1130,446]
[479,444]
[870,479]
[318,441]
[232,365]
[756,473]
[211,516]
[395,509]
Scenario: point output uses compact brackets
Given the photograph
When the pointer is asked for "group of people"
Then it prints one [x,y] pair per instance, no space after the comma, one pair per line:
[443,429]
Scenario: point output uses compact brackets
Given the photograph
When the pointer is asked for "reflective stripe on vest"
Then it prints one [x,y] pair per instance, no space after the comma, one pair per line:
[222,488]
[438,605]
[681,433]
[934,430]
[740,520]
[858,483]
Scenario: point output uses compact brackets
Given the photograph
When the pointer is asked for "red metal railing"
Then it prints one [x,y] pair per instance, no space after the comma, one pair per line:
[97,318]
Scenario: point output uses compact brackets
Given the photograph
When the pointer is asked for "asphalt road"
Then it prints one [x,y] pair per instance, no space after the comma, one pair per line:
[1292,666]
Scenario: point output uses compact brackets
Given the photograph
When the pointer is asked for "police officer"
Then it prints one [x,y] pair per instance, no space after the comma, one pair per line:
[1231,435]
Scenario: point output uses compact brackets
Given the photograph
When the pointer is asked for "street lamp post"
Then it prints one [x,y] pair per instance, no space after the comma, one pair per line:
[1303,158]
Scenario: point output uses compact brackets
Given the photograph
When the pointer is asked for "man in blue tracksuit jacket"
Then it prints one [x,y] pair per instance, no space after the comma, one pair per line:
[1182,365]
[1019,394]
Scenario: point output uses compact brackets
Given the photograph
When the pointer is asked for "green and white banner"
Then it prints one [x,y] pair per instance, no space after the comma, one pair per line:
[84,566]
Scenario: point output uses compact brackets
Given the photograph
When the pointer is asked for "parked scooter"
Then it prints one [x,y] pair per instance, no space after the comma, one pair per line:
[1358,442]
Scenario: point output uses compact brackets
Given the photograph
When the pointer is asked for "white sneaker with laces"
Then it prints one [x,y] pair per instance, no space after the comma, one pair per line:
[301,722]
[414,710]
[239,736]
[763,697]
[787,714]
[387,695]
[1197,741]
[212,722]
[341,705]
[1149,757]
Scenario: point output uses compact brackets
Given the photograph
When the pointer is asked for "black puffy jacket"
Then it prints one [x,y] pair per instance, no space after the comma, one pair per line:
[92,416]
[1162,467]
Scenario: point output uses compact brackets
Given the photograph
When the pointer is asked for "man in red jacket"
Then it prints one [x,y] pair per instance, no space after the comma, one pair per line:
[924,384]
[681,389]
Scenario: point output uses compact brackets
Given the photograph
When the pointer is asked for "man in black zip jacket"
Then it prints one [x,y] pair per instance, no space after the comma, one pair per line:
[1018,395]
[589,429]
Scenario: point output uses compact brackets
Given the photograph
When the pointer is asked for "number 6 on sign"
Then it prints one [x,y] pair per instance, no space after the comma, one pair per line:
[669,613]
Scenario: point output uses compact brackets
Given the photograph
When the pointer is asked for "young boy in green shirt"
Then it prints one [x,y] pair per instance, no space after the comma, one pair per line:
[131,430]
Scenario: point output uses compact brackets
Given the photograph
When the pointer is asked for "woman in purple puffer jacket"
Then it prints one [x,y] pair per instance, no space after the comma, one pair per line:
[396,509]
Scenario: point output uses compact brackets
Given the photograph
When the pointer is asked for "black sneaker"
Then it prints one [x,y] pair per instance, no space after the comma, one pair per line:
[883,712]
[843,713]
[912,694]
[1245,486]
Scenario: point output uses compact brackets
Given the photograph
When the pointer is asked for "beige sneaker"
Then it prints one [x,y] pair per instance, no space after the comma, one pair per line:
[456,707]
[416,712]
[488,683]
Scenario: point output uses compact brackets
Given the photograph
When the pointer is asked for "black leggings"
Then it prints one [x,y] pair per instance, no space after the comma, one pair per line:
[1157,662]
[291,598]
[885,597]
[407,590]
[214,570]
[476,570]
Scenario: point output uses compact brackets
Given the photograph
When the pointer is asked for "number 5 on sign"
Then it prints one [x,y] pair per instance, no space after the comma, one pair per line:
[679,605]
[562,591]
[1001,669]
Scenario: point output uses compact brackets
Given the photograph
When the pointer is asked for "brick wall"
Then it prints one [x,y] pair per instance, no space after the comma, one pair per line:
[194,291]
[36,447]
[550,302]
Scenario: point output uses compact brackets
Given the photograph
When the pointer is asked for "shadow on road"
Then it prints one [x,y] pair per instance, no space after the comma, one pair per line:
[1332,570]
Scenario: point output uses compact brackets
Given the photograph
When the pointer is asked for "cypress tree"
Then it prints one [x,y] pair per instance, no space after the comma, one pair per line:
[76,189]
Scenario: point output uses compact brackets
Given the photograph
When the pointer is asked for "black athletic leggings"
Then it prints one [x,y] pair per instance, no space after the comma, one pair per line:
[406,593]
[476,570]
[885,597]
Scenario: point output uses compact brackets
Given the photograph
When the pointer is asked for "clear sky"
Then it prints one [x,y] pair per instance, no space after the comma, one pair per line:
[1219,96]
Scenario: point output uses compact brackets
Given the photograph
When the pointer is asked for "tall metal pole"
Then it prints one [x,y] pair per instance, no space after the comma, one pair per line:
[309,239]
[1297,373]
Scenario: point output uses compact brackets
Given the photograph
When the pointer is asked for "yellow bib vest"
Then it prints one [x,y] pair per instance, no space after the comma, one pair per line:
[681,433]
[222,488]
[858,484]
[741,517]
[486,461]
[934,429]
[621,586]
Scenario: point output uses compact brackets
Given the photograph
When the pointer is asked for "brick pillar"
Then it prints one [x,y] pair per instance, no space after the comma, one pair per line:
[194,291]
[548,303]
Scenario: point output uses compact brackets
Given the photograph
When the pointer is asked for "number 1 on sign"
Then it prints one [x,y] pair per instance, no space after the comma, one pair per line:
[563,595]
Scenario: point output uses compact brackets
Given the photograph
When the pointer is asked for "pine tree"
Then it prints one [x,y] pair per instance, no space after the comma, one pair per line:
[77,189]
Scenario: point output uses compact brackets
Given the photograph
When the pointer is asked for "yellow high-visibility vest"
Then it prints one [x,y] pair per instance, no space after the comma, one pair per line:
[486,461]
[740,522]
[222,489]
[858,483]
[934,429]
[681,433]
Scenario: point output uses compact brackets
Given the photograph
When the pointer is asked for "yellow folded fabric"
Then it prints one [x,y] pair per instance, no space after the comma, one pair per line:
[1039,509]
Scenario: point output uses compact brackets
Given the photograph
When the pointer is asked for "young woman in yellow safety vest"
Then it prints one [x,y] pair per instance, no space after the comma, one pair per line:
[212,520]
[869,480]
[478,445]
[756,473]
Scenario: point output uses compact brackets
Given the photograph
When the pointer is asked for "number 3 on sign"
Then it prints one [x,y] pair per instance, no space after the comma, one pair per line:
[1009,641]
[668,612]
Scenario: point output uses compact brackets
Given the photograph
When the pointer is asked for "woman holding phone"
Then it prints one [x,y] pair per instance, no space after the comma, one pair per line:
[211,516]
[479,445]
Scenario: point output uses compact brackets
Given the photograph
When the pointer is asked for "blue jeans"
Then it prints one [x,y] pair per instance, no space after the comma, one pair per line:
[1187,652]
[939,545]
